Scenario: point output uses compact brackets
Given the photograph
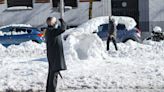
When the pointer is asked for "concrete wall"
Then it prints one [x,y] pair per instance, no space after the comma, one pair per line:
[40,12]
[144,17]
[152,14]
[156,13]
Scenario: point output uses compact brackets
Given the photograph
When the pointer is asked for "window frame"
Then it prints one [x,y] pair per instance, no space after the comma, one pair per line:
[73,6]
[2,1]
[17,6]
[42,1]
[89,0]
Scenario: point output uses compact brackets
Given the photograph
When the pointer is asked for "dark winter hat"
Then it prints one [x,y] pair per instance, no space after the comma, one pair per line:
[49,19]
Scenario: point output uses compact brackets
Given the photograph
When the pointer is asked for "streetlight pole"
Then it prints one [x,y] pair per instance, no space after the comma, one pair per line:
[90,8]
[62,9]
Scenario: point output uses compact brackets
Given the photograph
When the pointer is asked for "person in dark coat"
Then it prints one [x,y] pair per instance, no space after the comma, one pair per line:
[112,34]
[55,52]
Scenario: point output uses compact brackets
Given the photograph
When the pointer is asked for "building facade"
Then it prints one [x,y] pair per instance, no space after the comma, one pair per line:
[147,13]
[36,13]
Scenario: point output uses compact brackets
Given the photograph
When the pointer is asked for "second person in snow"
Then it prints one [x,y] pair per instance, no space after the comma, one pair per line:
[112,33]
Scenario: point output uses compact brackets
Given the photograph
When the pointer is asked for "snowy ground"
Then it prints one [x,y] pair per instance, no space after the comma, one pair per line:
[134,66]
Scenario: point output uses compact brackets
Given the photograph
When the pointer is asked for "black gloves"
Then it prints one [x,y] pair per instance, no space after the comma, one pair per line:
[63,24]
[61,20]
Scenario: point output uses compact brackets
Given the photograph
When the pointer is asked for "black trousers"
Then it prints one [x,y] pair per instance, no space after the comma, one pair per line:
[52,81]
[113,40]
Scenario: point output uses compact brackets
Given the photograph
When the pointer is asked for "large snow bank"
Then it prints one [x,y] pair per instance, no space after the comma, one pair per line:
[23,50]
[81,40]
[84,47]
[137,66]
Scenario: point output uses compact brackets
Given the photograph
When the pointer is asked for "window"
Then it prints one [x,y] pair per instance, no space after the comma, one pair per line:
[20,30]
[72,3]
[121,27]
[88,0]
[19,3]
[29,31]
[42,1]
[2,1]
[103,28]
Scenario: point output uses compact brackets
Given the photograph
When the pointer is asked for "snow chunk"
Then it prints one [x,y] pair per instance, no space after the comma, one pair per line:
[19,8]
[129,22]
[25,49]
[157,29]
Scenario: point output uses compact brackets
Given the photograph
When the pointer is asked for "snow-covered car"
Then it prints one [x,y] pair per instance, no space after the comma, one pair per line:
[157,34]
[123,34]
[19,33]
[97,25]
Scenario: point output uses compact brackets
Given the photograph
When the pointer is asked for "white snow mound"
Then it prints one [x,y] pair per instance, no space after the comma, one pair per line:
[157,29]
[16,25]
[84,47]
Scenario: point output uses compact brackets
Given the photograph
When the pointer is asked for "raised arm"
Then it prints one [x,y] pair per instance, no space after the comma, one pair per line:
[60,30]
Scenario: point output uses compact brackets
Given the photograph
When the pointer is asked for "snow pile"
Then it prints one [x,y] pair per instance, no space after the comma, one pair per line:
[16,25]
[2,48]
[23,50]
[19,33]
[1,33]
[13,33]
[137,66]
[84,47]
[19,8]
[129,22]
[157,29]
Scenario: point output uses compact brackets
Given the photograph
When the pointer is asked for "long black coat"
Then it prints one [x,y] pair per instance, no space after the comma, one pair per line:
[112,30]
[55,52]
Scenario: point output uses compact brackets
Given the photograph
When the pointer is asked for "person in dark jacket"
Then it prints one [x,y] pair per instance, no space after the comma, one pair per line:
[55,53]
[112,33]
